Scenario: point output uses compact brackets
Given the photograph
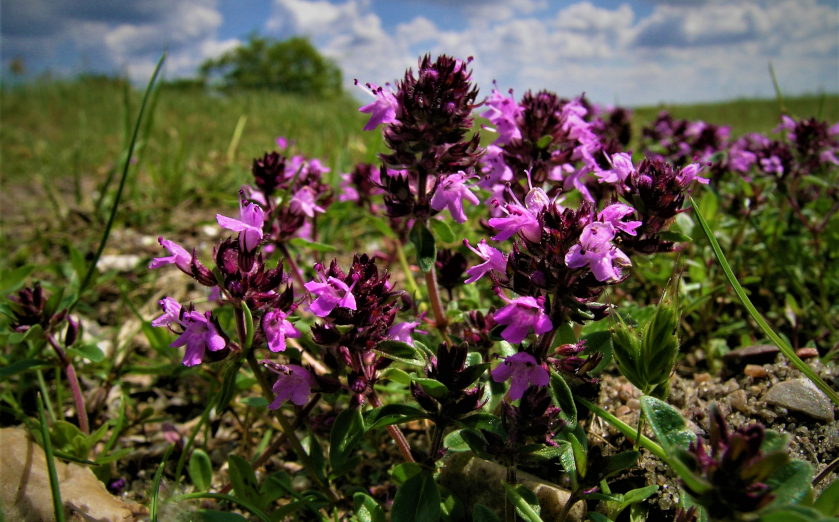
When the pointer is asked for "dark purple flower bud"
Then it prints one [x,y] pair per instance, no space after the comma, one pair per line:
[28,308]
[74,332]
[472,400]
[201,273]
[450,268]
[425,401]
[269,172]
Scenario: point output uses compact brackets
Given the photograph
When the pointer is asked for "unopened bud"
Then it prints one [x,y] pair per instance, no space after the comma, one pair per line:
[74,332]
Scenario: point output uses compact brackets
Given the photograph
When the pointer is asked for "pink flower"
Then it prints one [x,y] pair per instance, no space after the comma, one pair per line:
[303,202]
[524,370]
[621,169]
[277,328]
[596,250]
[199,335]
[295,383]
[493,260]
[689,174]
[180,257]
[502,113]
[249,224]
[282,142]
[518,219]
[613,215]
[495,170]
[330,294]
[450,194]
[171,312]
[522,314]
[383,110]
[402,331]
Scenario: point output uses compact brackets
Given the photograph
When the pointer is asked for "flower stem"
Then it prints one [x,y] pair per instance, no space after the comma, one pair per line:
[289,430]
[295,271]
[436,304]
[265,386]
[637,443]
[411,283]
[73,382]
[395,432]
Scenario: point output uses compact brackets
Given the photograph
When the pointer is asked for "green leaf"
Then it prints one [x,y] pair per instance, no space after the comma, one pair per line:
[828,501]
[473,373]
[674,237]
[544,141]
[255,402]
[228,384]
[402,352]
[346,434]
[791,514]
[637,495]
[249,331]
[305,244]
[396,375]
[381,225]
[566,458]
[53,303]
[483,421]
[423,241]
[481,513]
[613,464]
[404,472]
[12,280]
[436,389]
[283,512]
[346,467]
[599,342]
[418,500]
[523,507]
[774,441]
[243,480]
[597,517]
[22,366]
[454,442]
[562,397]
[200,470]
[476,442]
[667,423]
[442,230]
[316,457]
[580,455]
[91,352]
[77,260]
[451,508]
[211,515]
[391,414]
[367,509]
[790,483]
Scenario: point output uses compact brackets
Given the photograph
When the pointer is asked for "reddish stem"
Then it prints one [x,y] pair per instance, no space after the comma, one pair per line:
[73,381]
[394,431]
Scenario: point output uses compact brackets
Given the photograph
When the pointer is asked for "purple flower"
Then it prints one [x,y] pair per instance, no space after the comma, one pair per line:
[295,383]
[277,327]
[199,335]
[494,169]
[171,312]
[521,314]
[249,224]
[450,193]
[689,174]
[596,250]
[524,370]
[383,110]
[282,142]
[330,294]
[503,112]
[613,215]
[493,260]
[621,169]
[180,257]
[518,219]
[772,164]
[402,331]
[303,202]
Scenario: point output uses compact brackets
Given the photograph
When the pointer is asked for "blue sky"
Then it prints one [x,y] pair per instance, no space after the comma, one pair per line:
[631,52]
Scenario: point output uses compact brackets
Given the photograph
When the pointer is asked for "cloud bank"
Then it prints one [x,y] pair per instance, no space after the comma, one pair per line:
[634,53]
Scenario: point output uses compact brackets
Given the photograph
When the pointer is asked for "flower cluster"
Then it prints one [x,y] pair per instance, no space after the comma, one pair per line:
[682,141]
[292,191]
[427,117]
[735,467]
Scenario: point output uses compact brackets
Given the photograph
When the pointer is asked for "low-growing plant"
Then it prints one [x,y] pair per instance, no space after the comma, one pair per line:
[328,351]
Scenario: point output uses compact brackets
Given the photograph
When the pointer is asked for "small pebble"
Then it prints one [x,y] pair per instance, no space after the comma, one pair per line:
[754,371]
[300,483]
[702,377]
[739,400]
[731,386]
[626,392]
[807,353]
[622,410]
[635,404]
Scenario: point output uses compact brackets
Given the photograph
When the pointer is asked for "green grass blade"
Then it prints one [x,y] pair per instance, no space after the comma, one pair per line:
[732,280]
[627,430]
[154,504]
[121,187]
[58,506]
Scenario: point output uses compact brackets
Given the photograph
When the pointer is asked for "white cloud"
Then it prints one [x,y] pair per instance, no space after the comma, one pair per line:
[682,51]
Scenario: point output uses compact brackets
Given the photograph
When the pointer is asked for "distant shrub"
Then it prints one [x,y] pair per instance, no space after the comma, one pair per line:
[289,66]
